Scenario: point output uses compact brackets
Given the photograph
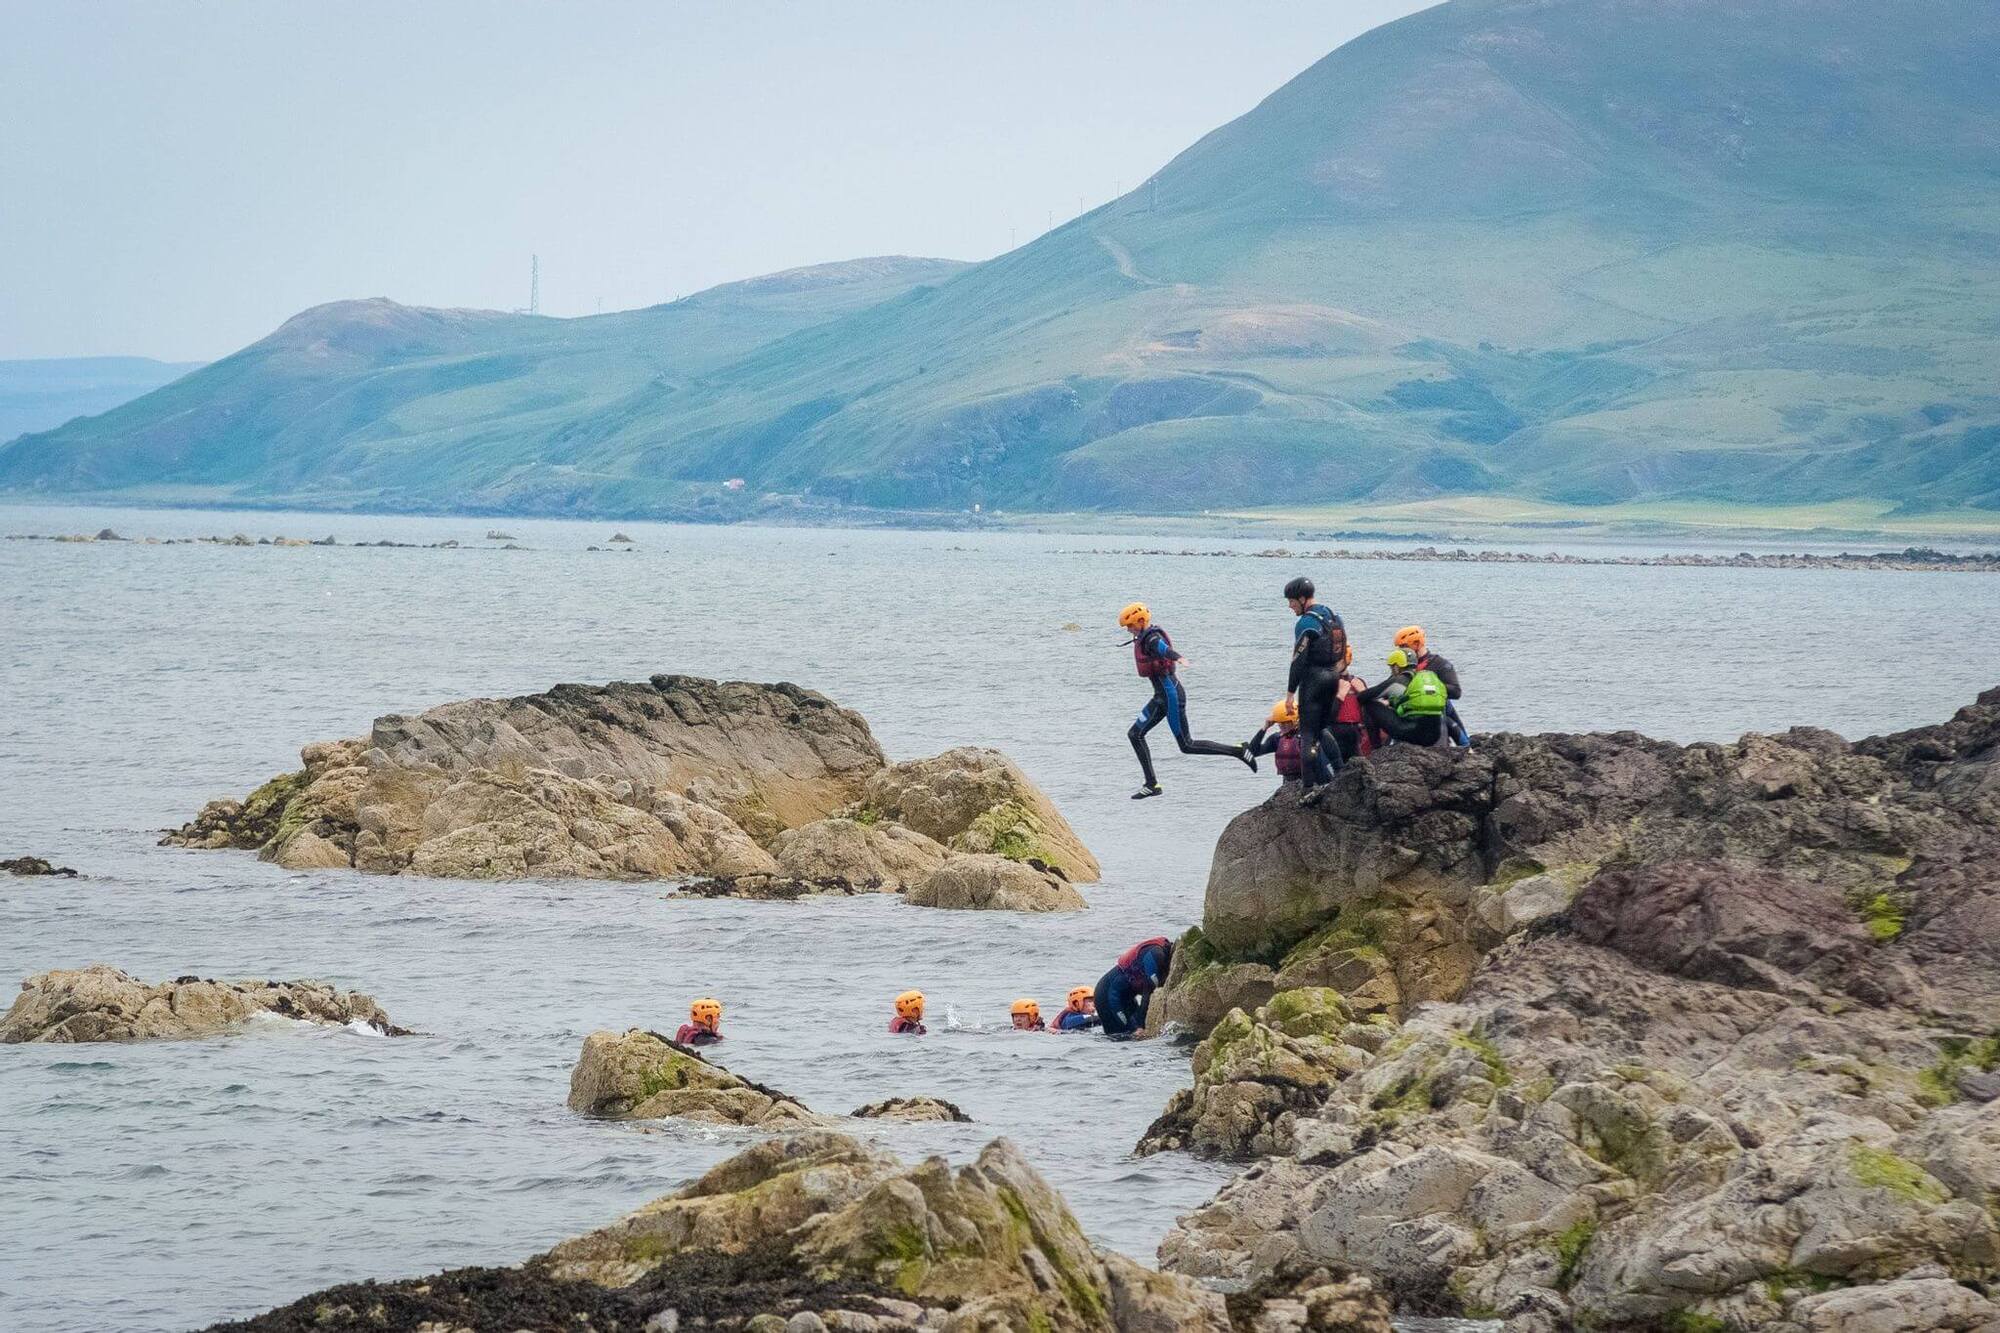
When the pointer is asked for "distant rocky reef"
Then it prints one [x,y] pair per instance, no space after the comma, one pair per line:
[1601,1031]
[1911,558]
[819,1232]
[755,790]
[101,1003]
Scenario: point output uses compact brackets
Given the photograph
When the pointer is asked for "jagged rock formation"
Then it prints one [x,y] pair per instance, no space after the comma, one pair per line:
[1726,1051]
[35,865]
[768,787]
[641,1075]
[913,1109]
[819,1231]
[101,1003]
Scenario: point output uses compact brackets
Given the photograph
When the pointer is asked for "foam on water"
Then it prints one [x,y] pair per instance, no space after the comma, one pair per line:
[198,1180]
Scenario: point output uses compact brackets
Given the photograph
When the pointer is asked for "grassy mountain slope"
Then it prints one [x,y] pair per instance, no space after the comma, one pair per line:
[1580,251]
[41,394]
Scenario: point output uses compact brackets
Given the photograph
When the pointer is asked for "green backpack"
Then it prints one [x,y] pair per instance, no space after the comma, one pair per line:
[1424,696]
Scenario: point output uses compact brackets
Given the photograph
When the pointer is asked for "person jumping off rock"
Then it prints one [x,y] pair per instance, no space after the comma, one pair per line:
[1125,993]
[1153,653]
[704,1025]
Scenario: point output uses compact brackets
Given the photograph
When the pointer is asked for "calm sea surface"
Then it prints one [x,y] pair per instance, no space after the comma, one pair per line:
[167,1185]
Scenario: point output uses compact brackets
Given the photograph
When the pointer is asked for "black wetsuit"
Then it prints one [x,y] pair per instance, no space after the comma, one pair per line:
[1319,655]
[1155,655]
[1447,673]
[1383,716]
[1124,994]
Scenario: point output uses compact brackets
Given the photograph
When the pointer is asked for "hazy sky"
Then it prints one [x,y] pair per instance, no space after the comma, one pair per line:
[177,179]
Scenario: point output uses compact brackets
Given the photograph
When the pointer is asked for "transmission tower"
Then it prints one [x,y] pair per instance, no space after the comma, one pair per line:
[534,284]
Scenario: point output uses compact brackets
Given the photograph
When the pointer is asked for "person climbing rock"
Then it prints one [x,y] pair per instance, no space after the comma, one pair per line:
[704,1025]
[1078,1014]
[1153,653]
[1027,1016]
[1408,704]
[1319,655]
[1410,639]
[909,1017]
[1279,736]
[1126,991]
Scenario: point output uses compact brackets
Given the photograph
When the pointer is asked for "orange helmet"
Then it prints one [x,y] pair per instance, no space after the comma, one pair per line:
[1135,617]
[910,1005]
[1411,637]
[1078,995]
[1283,713]
[706,1012]
[1027,1009]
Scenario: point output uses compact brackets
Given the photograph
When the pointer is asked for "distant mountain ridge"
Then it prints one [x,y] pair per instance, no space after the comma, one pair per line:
[1573,250]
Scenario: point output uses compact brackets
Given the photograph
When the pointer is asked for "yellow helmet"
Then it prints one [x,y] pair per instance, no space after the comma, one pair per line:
[706,1012]
[1398,659]
[1411,637]
[910,1004]
[1135,617]
[1028,1008]
[1284,712]
[1078,994]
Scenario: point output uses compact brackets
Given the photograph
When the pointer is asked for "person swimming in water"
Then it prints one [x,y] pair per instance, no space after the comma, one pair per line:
[1126,991]
[1080,1013]
[704,1024]
[1154,656]
[1026,1016]
[909,1017]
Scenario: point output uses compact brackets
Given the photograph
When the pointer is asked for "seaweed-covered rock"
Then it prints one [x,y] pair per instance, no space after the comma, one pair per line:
[994,883]
[915,1109]
[640,1075]
[102,1003]
[977,800]
[35,865]
[819,1231]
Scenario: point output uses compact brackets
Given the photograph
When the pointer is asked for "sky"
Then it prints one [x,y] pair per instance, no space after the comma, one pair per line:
[178,179]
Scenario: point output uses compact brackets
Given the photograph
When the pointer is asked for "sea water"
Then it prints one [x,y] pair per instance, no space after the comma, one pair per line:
[167,1185]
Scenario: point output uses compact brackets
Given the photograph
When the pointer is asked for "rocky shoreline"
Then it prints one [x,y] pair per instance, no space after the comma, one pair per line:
[1910,560]
[760,791]
[1601,1031]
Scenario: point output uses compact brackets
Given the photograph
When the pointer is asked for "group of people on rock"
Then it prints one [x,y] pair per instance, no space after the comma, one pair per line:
[1117,1006]
[1328,716]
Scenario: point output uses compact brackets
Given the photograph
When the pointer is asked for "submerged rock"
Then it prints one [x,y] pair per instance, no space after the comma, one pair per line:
[733,784]
[994,883]
[640,1075]
[819,1231]
[913,1109]
[35,865]
[1741,1076]
[101,1003]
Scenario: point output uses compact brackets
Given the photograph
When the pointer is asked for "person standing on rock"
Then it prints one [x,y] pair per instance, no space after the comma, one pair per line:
[1312,685]
[1153,653]
[1126,992]
[704,1025]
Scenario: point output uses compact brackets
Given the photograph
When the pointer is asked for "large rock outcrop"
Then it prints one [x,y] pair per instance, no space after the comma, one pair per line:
[1732,1062]
[985,881]
[768,787]
[819,1231]
[101,1003]
[640,1075]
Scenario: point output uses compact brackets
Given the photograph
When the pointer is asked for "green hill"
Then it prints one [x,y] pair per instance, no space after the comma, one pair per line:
[1577,251]
[39,395]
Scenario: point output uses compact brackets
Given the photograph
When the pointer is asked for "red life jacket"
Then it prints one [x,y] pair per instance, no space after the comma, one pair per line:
[1128,962]
[1290,764]
[900,1024]
[1349,712]
[1150,666]
[693,1034]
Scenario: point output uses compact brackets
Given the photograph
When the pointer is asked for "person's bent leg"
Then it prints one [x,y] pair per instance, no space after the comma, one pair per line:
[1177,722]
[1149,717]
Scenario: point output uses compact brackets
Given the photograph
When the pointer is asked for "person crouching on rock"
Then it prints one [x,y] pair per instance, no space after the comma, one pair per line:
[1125,992]
[1080,1013]
[1284,742]
[1153,654]
[1027,1016]
[1408,704]
[909,1014]
[1410,639]
[704,1025]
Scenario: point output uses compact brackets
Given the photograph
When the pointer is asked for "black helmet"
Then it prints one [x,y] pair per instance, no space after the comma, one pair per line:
[1299,587]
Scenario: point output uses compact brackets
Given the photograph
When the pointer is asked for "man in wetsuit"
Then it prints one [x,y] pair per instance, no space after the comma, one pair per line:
[1153,653]
[1126,991]
[704,1024]
[1410,639]
[1319,655]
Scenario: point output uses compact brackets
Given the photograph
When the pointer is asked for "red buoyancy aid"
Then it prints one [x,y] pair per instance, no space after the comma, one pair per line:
[1290,763]
[693,1034]
[1150,666]
[900,1025]
[1128,962]
[1349,714]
